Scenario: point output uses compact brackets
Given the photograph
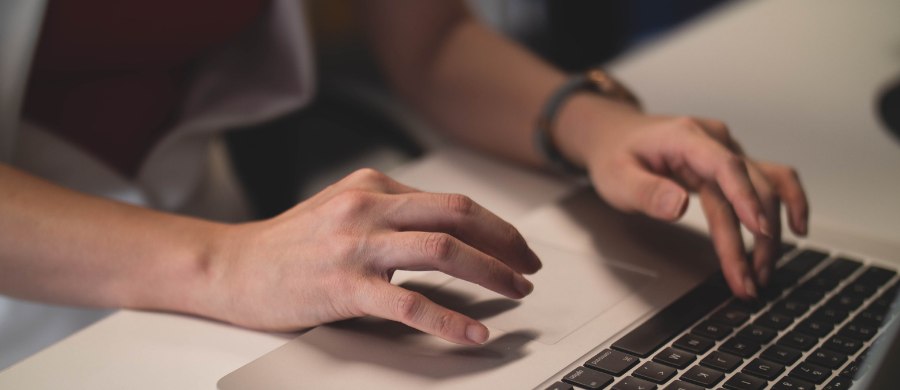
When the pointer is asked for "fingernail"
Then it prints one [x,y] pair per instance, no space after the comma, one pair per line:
[763,276]
[671,203]
[764,227]
[522,285]
[750,287]
[477,333]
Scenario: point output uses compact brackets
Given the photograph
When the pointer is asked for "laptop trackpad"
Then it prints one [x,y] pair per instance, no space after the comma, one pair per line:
[570,290]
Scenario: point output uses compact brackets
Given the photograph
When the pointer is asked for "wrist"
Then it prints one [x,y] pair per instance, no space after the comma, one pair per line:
[582,120]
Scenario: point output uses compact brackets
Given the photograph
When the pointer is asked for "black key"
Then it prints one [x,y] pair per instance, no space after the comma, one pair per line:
[826,358]
[858,331]
[814,328]
[749,307]
[882,304]
[840,268]
[838,384]
[668,323]
[843,344]
[852,370]
[859,290]
[763,369]
[771,292]
[655,372]
[798,340]
[741,381]
[829,315]
[694,343]
[730,316]
[789,383]
[560,386]
[712,330]
[781,354]
[875,276]
[844,302]
[679,385]
[757,333]
[773,321]
[864,354]
[612,362]
[822,283]
[811,372]
[740,347]
[784,277]
[805,261]
[790,308]
[675,358]
[722,361]
[706,377]
[588,378]
[807,295]
[632,383]
[870,318]
[787,247]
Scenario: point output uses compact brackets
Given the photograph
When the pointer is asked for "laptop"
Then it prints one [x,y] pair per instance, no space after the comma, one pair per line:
[628,303]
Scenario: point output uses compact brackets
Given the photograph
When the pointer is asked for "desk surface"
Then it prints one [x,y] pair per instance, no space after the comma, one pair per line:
[799,90]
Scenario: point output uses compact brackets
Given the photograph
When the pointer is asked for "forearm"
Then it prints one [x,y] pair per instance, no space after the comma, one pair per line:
[61,246]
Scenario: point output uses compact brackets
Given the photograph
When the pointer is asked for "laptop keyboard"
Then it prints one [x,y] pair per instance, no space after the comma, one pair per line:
[810,329]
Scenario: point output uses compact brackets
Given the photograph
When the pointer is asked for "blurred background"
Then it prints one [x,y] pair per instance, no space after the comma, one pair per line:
[355,121]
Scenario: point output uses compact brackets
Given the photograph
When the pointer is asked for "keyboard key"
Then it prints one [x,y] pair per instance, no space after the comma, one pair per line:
[838,384]
[858,331]
[730,316]
[844,302]
[841,268]
[810,372]
[763,369]
[787,247]
[632,383]
[694,343]
[826,358]
[805,261]
[829,315]
[822,283]
[875,276]
[870,317]
[865,353]
[843,344]
[782,355]
[560,386]
[790,308]
[706,377]
[798,340]
[773,321]
[655,372]
[742,381]
[881,304]
[814,328]
[612,362]
[722,361]
[588,378]
[679,385]
[757,333]
[859,290]
[675,358]
[771,292]
[748,307]
[713,330]
[807,295]
[789,383]
[740,347]
[852,370]
[668,323]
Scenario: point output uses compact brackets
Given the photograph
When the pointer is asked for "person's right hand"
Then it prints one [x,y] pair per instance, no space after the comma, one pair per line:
[332,257]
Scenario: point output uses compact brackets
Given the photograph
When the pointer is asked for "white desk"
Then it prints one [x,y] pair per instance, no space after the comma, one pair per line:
[754,64]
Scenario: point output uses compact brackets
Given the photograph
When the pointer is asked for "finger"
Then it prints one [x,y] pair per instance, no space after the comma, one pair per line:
[388,301]
[461,217]
[712,161]
[787,184]
[765,248]
[632,187]
[718,130]
[726,236]
[421,251]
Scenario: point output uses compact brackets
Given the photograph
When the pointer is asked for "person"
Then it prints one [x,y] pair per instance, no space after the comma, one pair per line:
[330,257]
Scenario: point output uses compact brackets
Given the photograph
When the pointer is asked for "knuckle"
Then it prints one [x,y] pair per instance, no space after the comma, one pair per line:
[444,325]
[459,204]
[351,202]
[687,123]
[439,246]
[406,305]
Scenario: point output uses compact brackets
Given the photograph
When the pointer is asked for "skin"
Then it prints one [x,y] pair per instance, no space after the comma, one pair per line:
[332,256]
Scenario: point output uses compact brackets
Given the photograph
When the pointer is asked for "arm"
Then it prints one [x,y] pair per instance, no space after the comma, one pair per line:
[487,91]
